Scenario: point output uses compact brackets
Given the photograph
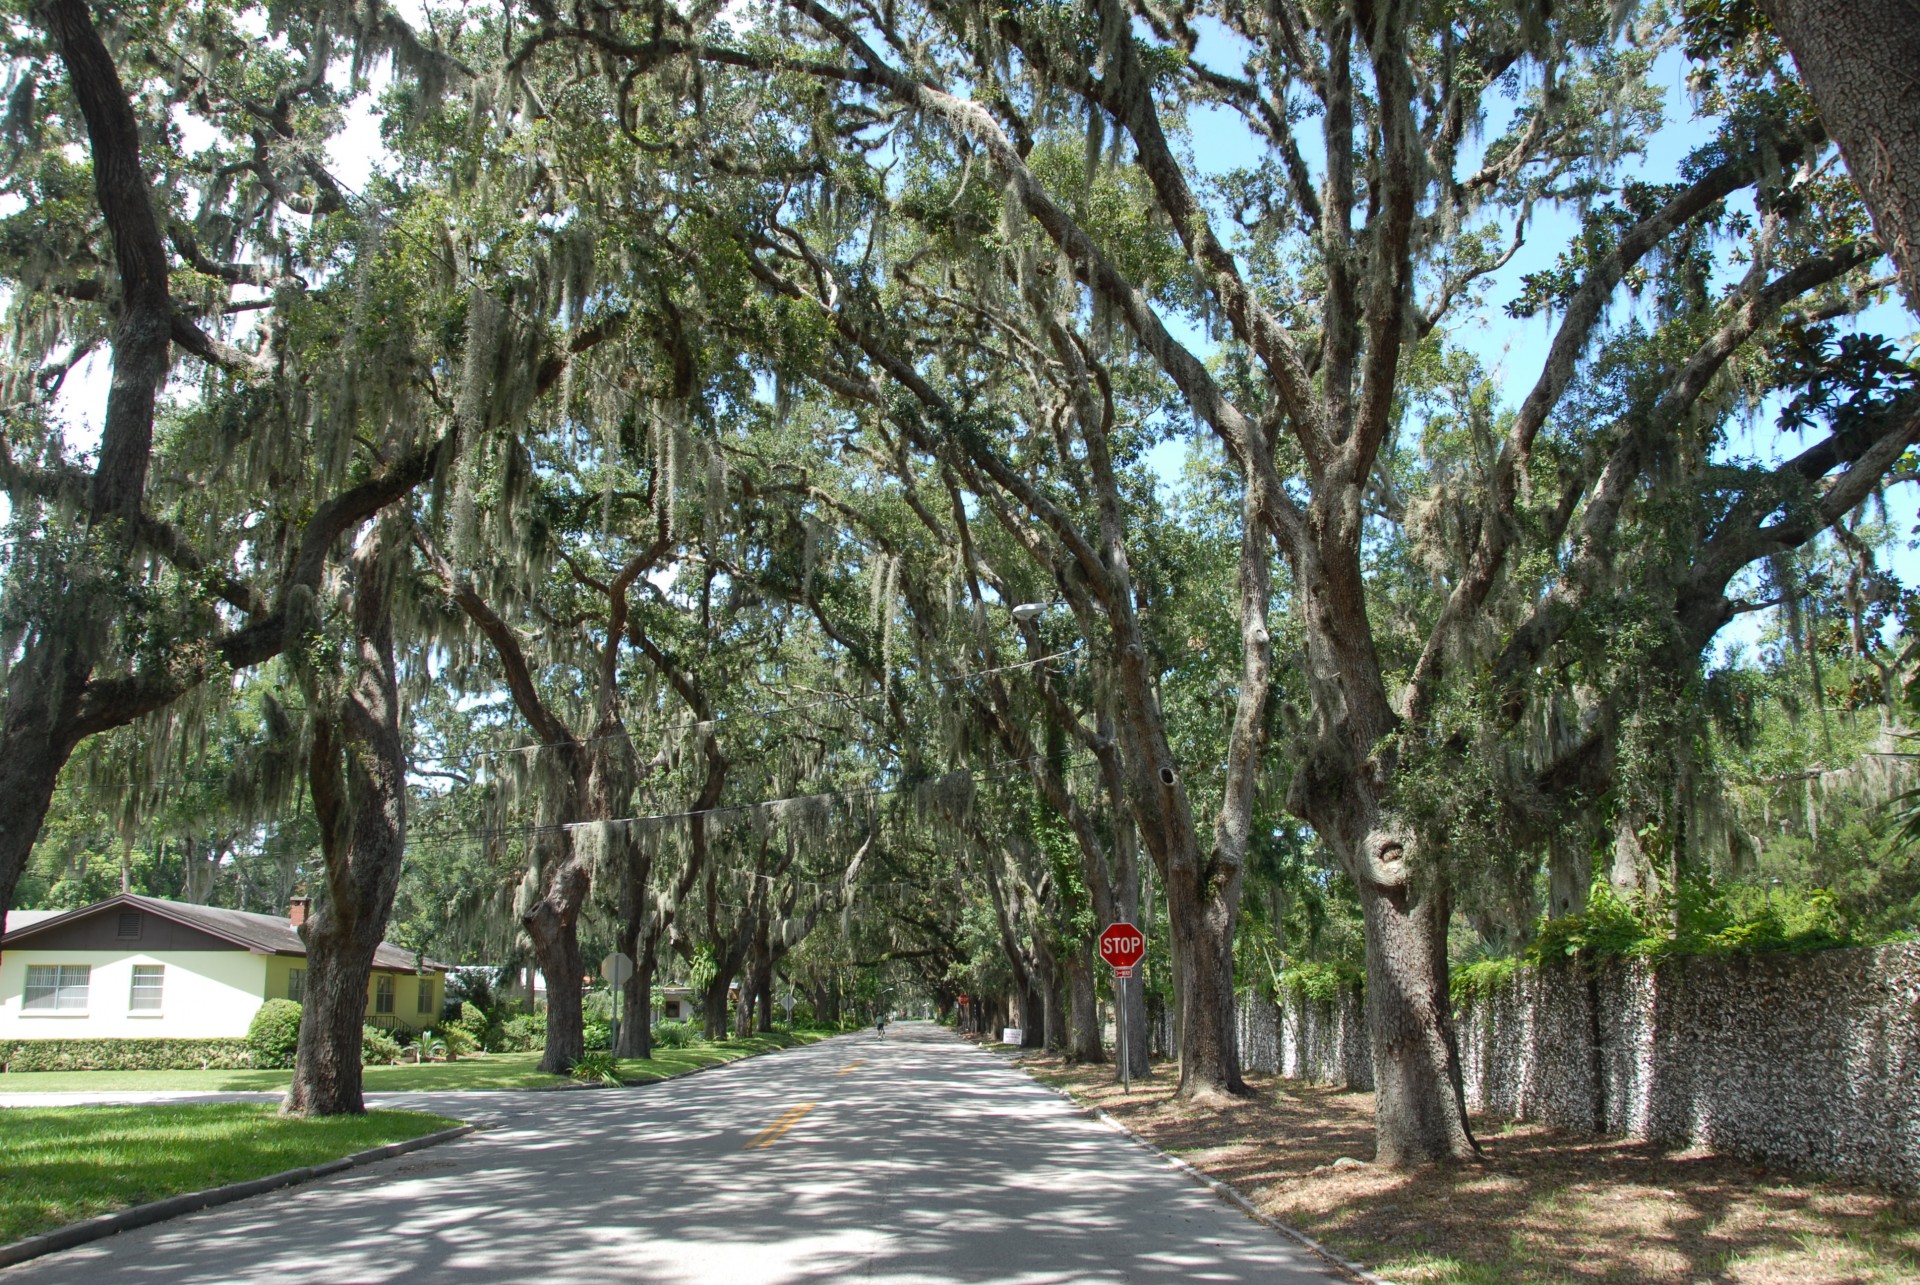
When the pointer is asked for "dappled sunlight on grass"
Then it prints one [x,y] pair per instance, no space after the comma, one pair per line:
[63,1164]
[1546,1206]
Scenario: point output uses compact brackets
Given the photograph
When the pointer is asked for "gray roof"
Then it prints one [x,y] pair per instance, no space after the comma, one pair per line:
[262,934]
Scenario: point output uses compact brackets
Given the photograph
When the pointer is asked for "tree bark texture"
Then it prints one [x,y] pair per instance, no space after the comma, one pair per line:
[1084,1042]
[358,775]
[1420,1112]
[1861,62]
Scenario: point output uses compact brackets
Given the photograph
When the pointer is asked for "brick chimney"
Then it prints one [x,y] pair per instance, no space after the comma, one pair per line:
[297,909]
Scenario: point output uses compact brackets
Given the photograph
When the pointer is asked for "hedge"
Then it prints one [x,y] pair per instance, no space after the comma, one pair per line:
[124,1055]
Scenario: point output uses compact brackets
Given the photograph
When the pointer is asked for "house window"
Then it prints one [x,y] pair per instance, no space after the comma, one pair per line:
[426,995]
[57,988]
[149,980]
[297,984]
[130,923]
[383,994]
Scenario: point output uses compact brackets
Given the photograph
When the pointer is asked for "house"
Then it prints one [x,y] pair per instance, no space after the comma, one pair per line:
[134,967]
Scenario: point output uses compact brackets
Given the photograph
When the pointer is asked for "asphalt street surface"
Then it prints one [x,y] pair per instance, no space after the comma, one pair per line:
[919,1160]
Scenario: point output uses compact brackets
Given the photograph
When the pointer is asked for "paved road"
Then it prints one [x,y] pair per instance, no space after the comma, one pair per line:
[917,1161]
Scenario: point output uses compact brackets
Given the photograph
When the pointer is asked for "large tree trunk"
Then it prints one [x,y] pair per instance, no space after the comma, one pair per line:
[1201,920]
[636,1006]
[31,756]
[1083,1009]
[1419,1112]
[713,1004]
[1569,872]
[1861,62]
[554,927]
[358,775]
[1048,981]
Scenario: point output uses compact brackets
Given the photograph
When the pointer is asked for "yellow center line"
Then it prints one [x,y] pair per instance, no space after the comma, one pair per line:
[849,1067]
[788,1118]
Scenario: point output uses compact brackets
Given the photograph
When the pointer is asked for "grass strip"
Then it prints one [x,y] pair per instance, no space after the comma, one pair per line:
[64,1164]
[476,1071]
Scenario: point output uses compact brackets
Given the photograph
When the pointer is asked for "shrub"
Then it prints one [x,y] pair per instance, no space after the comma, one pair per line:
[598,1034]
[597,1067]
[471,1019]
[125,1055]
[676,1035]
[424,1047]
[274,1035]
[459,1041]
[1480,978]
[1321,981]
[377,1048]
[524,1033]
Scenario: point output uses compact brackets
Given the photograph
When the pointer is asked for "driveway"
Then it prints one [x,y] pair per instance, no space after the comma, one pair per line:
[916,1160]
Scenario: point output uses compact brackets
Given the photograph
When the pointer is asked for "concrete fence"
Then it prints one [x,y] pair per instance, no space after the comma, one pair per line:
[1810,1062]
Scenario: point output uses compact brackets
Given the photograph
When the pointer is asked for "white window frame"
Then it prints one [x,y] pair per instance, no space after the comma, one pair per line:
[58,1000]
[424,1004]
[158,973]
[297,985]
[383,997]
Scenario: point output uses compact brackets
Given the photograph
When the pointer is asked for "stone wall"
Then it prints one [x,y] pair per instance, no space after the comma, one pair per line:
[1811,1062]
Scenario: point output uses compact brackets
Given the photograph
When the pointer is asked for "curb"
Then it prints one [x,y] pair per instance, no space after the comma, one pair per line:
[1224,1190]
[1235,1197]
[120,1220]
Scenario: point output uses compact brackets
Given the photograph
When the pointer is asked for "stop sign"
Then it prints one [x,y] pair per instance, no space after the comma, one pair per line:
[1121,945]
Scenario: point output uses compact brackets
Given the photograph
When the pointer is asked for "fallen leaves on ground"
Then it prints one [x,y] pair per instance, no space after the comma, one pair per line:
[1546,1206]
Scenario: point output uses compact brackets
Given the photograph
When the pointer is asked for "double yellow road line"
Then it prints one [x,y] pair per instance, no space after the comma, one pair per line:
[788,1118]
[791,1116]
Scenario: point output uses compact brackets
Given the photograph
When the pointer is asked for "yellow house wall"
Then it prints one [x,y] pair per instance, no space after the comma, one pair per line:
[207,995]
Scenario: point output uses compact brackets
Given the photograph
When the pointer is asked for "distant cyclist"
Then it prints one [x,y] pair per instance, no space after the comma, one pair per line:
[881,1026]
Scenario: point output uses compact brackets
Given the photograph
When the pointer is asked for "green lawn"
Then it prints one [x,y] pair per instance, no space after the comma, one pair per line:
[63,1164]
[480,1071]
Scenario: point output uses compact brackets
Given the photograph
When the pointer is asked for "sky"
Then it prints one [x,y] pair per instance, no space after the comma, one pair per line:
[1512,349]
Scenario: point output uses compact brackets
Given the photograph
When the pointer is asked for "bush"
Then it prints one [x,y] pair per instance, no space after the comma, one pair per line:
[274,1035]
[459,1041]
[1321,981]
[524,1033]
[598,1034]
[598,1066]
[125,1055]
[676,1035]
[1480,979]
[471,1019]
[377,1047]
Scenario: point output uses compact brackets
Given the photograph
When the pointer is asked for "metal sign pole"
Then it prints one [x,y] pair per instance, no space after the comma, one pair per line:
[616,1021]
[1126,1050]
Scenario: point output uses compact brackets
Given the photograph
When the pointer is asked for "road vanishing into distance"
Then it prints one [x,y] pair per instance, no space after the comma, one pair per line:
[919,1160]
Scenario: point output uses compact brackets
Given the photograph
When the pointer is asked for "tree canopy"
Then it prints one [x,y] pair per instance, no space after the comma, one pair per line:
[853,499]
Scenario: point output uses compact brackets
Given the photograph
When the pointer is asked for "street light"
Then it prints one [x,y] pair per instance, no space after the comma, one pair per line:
[1028,612]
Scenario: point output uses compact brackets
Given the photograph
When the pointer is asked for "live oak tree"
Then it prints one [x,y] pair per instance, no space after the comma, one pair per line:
[183,573]
[1322,315]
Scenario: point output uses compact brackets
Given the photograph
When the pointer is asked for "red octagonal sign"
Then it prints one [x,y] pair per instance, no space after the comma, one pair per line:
[1121,945]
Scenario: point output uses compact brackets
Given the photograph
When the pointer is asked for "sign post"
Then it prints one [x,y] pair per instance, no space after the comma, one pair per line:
[616,968]
[1122,946]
